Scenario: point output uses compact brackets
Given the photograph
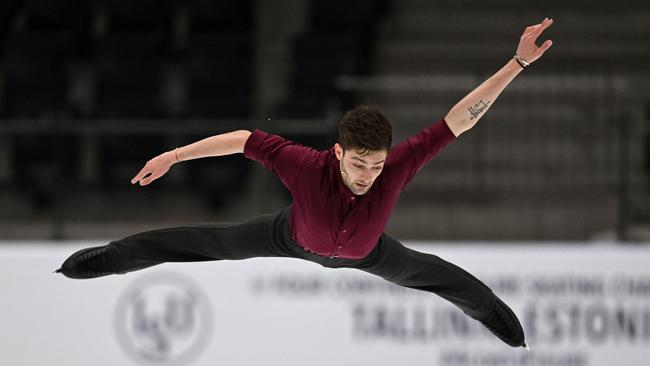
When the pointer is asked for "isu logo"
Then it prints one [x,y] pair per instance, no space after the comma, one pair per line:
[163,319]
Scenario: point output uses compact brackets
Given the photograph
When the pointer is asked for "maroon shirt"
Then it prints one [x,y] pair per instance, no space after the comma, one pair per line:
[326,217]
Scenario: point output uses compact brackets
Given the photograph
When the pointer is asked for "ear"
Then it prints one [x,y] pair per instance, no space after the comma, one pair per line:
[338,150]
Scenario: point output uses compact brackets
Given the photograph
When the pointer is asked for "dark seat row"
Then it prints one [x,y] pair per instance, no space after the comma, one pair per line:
[108,16]
[127,76]
[119,59]
[114,58]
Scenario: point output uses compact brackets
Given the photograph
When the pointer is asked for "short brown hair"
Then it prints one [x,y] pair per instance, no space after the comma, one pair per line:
[365,129]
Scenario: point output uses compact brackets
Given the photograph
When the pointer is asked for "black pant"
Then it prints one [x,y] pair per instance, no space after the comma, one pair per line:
[269,236]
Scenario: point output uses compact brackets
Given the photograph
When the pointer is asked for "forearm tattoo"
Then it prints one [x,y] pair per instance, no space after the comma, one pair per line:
[476,110]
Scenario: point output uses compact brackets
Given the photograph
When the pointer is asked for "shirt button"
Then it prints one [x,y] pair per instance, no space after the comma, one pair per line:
[345,230]
[352,198]
[339,246]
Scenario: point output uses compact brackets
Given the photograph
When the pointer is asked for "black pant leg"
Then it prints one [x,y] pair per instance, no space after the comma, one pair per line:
[258,237]
[407,267]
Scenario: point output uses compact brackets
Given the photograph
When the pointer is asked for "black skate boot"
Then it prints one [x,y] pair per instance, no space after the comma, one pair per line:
[87,263]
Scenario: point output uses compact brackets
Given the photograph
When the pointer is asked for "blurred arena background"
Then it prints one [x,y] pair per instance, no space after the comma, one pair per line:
[91,90]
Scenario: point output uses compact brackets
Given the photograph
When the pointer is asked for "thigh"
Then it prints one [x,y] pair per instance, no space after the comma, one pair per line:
[422,271]
[255,237]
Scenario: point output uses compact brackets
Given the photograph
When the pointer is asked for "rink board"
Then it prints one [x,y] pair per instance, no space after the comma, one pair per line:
[580,305]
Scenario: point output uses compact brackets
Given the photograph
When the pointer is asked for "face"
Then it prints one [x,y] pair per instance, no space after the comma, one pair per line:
[359,171]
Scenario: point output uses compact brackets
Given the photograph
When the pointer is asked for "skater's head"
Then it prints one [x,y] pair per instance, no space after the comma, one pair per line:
[365,136]
[365,129]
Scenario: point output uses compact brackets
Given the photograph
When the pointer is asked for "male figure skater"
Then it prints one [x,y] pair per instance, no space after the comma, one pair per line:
[342,199]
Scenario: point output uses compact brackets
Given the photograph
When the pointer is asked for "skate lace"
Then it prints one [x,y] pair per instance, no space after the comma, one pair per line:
[94,263]
[497,319]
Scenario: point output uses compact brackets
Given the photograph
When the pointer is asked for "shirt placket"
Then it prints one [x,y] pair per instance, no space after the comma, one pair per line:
[344,230]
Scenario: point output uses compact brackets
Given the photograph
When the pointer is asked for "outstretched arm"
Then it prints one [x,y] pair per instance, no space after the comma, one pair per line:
[218,145]
[470,109]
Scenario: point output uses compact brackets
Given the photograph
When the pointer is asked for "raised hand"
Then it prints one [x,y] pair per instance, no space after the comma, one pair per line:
[527,48]
[155,168]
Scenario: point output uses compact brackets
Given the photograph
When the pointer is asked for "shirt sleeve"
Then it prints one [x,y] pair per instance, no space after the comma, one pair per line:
[282,157]
[408,157]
